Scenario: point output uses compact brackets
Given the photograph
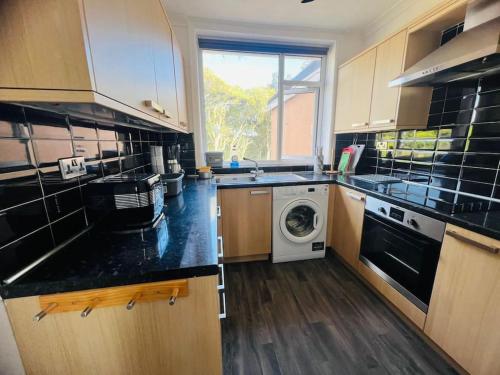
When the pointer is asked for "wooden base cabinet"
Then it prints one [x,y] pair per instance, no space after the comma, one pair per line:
[152,338]
[246,222]
[349,208]
[331,215]
[463,311]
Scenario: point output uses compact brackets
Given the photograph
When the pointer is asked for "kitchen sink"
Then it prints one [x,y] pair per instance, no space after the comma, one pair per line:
[265,178]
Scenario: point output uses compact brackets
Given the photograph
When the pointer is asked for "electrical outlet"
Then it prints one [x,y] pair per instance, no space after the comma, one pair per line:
[381,145]
[72,167]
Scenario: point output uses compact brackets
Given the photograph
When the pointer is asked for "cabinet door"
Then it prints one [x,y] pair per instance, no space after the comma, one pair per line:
[43,46]
[363,71]
[349,209]
[247,221]
[388,65]
[121,38]
[164,64]
[463,312]
[345,86]
[180,84]
[153,338]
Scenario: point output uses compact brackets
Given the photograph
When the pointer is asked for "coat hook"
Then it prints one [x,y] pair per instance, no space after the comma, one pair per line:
[173,296]
[89,308]
[131,303]
[42,314]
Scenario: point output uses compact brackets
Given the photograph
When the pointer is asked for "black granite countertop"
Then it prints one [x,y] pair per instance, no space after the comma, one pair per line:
[410,197]
[183,244]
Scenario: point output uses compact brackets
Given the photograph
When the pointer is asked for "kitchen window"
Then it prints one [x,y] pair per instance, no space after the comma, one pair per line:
[262,99]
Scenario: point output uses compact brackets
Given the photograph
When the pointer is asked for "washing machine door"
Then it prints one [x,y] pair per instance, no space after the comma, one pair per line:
[301,221]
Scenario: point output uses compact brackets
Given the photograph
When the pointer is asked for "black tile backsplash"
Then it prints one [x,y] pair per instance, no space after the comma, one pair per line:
[38,209]
[187,155]
[460,149]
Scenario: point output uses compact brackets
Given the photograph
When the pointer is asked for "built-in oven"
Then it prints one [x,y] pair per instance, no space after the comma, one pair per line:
[402,247]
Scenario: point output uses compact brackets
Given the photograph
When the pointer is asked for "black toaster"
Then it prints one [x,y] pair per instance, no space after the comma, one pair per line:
[125,200]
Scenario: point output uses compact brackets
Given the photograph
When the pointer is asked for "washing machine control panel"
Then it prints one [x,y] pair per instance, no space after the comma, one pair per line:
[299,191]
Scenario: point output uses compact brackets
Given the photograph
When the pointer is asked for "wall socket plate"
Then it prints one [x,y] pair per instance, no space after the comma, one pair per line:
[72,167]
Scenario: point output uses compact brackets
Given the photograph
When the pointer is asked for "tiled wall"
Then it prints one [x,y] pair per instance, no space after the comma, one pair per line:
[460,149]
[39,210]
[186,141]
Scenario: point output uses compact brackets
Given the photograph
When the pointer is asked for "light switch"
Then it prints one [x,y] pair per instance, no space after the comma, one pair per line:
[72,167]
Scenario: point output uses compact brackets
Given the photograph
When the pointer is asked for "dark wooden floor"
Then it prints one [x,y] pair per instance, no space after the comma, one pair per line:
[315,317]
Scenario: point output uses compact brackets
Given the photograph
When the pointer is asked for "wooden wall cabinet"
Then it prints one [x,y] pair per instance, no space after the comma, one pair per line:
[117,54]
[246,223]
[152,338]
[349,210]
[463,311]
[388,65]
[180,82]
[391,108]
[163,50]
[354,93]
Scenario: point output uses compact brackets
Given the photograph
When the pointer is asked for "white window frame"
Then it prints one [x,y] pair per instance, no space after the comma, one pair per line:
[317,86]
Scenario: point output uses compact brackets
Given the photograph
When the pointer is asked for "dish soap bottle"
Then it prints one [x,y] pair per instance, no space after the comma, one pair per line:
[234,158]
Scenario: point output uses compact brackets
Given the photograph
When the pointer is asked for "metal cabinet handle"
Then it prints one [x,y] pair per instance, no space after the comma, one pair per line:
[219,214]
[381,122]
[459,237]
[42,314]
[223,314]
[355,197]
[167,114]
[155,106]
[359,124]
[221,247]
[259,192]
[222,286]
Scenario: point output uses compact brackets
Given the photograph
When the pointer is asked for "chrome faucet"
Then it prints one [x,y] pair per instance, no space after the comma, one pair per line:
[256,172]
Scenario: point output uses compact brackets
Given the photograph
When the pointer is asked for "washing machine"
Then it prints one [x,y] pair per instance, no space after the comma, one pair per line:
[299,222]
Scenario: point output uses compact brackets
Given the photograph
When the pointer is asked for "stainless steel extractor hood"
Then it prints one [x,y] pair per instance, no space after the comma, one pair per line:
[473,53]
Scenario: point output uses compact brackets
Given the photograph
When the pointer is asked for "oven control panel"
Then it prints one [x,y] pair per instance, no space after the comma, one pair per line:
[423,224]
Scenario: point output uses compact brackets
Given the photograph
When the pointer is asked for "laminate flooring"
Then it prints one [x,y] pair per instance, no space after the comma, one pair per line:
[315,317]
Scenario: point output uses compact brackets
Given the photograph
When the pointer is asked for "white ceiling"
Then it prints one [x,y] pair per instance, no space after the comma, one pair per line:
[323,14]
